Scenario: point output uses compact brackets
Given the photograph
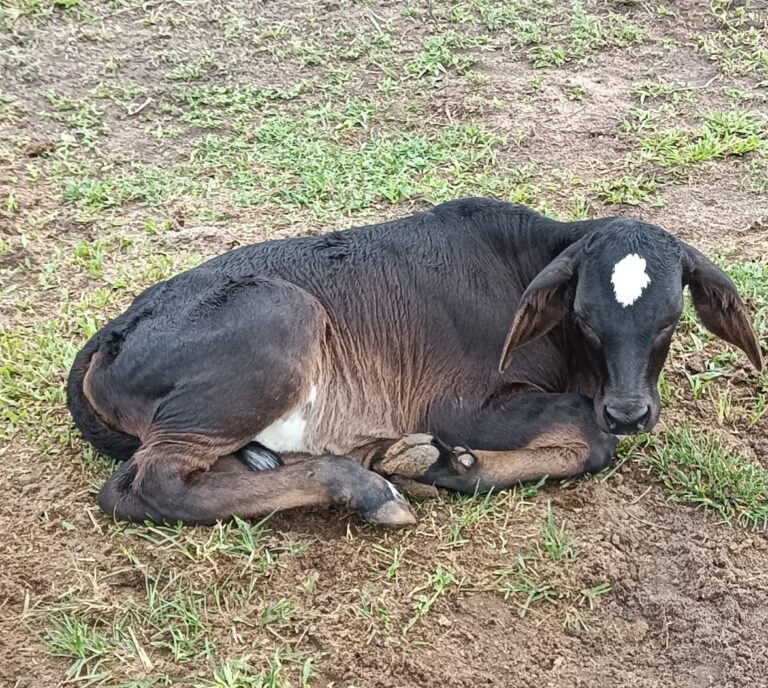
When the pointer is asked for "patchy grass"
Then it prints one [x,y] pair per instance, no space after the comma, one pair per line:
[82,118]
[740,47]
[541,577]
[661,90]
[440,56]
[550,34]
[177,616]
[13,10]
[427,595]
[699,469]
[331,161]
[720,135]
[629,190]
[757,175]
[35,357]
[213,106]
[175,131]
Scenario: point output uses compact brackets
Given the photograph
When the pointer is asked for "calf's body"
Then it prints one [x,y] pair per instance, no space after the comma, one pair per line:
[277,374]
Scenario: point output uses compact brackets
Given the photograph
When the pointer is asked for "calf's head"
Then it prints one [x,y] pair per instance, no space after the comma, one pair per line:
[622,286]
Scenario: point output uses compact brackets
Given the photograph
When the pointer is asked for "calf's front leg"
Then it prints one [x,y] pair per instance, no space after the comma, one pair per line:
[525,438]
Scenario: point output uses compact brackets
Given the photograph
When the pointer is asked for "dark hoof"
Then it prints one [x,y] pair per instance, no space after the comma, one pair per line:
[258,458]
[410,456]
[462,460]
[414,455]
[391,514]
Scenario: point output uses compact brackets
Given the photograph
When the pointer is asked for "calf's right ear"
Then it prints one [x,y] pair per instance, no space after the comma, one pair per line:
[543,304]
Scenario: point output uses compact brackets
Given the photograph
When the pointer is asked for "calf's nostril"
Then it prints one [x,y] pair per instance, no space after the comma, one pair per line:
[642,422]
[610,419]
[627,419]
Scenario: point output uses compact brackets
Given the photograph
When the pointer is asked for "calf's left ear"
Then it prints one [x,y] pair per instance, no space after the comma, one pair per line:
[718,304]
[543,303]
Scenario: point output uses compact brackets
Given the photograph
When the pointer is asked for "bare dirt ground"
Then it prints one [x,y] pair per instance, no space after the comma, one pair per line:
[137,138]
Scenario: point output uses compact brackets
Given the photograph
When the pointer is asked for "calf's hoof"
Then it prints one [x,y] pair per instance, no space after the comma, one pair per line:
[392,511]
[413,455]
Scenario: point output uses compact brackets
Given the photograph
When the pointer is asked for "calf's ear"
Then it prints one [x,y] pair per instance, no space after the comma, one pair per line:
[718,304]
[543,303]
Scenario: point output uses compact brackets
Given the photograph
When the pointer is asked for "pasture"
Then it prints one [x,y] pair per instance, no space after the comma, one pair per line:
[138,138]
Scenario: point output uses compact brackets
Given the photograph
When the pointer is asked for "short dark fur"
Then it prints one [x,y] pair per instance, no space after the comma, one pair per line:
[402,325]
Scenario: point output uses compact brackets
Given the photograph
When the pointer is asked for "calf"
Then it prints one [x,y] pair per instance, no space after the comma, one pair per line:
[470,347]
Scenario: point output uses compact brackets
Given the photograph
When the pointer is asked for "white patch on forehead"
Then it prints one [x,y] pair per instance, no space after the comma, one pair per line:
[287,433]
[629,278]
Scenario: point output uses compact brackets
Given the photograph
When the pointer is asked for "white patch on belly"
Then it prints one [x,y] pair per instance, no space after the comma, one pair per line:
[287,433]
[629,279]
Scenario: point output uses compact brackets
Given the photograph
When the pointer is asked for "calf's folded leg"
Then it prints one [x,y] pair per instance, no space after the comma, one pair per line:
[525,438]
[168,482]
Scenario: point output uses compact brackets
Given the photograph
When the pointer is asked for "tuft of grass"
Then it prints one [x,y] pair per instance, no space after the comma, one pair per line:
[654,90]
[235,540]
[641,120]
[374,610]
[522,579]
[698,469]
[82,642]
[628,190]
[436,586]
[177,618]
[278,673]
[440,56]
[393,558]
[721,134]
[472,509]
[556,542]
[84,120]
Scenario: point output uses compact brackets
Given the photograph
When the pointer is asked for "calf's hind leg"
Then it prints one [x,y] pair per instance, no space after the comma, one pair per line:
[170,481]
[199,377]
[524,438]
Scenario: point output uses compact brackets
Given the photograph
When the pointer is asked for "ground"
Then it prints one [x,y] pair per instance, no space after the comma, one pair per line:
[137,138]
